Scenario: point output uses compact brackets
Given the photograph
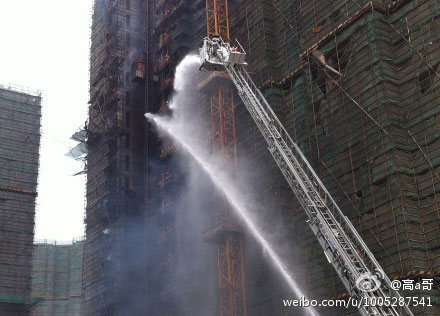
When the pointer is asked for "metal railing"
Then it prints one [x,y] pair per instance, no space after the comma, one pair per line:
[342,245]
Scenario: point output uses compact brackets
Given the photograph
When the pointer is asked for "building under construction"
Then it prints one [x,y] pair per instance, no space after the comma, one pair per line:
[57,279]
[20,113]
[370,129]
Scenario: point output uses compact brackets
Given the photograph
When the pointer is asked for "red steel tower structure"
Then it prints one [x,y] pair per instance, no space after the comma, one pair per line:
[226,232]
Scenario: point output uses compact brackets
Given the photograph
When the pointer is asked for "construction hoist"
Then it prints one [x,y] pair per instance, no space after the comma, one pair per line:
[354,263]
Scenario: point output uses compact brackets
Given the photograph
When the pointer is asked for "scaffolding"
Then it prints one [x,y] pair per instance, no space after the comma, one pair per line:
[20,114]
[164,174]
[177,27]
[382,167]
[57,279]
[115,160]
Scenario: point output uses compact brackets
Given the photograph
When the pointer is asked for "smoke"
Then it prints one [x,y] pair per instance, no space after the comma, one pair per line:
[177,254]
[187,132]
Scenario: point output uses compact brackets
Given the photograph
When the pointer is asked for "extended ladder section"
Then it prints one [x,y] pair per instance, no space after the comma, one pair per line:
[356,266]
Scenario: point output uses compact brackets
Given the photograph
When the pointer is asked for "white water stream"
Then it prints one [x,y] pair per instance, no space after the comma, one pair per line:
[179,130]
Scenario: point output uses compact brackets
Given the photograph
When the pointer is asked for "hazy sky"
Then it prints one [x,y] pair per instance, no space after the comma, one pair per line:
[45,46]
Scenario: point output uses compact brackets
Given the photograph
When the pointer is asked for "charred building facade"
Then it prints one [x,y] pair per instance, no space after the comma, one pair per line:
[144,252]
[114,274]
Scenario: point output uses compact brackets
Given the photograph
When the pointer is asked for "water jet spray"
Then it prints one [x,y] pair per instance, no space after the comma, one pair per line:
[180,135]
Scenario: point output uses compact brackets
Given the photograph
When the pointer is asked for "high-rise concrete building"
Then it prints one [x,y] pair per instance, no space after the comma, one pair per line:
[114,253]
[57,279]
[145,254]
[20,114]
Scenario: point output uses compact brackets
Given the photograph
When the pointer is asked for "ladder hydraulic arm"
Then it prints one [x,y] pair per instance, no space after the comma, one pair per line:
[354,263]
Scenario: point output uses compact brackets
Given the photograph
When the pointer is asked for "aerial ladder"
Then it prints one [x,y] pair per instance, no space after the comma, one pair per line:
[345,250]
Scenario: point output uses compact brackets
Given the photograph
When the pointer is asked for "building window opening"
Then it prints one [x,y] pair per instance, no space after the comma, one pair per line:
[127,98]
[127,141]
[127,162]
[127,39]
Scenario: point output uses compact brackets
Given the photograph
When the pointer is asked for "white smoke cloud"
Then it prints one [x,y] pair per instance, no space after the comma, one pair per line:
[184,129]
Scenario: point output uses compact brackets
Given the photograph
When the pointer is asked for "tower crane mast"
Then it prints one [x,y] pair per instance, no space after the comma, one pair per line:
[226,233]
[354,263]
